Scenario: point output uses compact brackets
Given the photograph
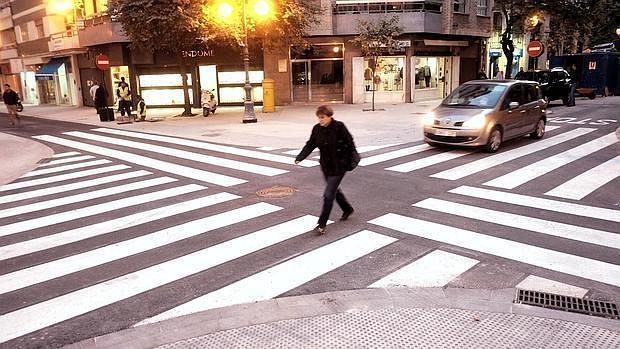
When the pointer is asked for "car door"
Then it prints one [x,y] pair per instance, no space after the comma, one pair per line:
[513,120]
[532,105]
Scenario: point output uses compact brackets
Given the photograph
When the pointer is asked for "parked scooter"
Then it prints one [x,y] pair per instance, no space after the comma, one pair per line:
[208,102]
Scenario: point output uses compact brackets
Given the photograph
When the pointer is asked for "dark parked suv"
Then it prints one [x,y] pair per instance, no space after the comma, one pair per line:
[555,84]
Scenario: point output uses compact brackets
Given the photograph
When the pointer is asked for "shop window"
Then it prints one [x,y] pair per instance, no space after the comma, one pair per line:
[166,96]
[234,95]
[238,77]
[160,80]
[459,6]
[388,74]
[429,72]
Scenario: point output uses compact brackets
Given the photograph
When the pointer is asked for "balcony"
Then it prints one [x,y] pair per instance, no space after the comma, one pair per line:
[67,40]
[100,29]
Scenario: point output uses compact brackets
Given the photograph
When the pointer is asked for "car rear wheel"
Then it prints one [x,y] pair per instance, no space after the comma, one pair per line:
[494,141]
[539,132]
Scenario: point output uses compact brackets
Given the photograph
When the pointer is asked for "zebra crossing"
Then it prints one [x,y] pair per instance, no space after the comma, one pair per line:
[45,240]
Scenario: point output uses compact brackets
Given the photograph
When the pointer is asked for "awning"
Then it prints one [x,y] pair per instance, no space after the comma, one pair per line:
[49,69]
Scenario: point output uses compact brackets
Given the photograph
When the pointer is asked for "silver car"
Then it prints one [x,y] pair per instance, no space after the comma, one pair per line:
[486,113]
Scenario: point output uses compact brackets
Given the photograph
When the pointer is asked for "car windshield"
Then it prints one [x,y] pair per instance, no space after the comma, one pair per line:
[541,77]
[475,95]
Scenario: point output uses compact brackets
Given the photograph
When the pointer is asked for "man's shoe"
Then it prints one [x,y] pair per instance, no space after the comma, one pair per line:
[320,230]
[345,215]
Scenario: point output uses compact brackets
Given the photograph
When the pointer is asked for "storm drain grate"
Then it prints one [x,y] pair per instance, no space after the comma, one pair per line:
[277,191]
[568,303]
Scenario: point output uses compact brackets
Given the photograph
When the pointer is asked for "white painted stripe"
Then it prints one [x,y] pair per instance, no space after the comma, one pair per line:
[206,159]
[553,260]
[89,231]
[368,148]
[394,154]
[561,230]
[551,128]
[65,168]
[587,182]
[540,203]
[267,148]
[72,186]
[505,156]
[207,146]
[428,161]
[164,166]
[539,168]
[67,160]
[66,200]
[436,269]
[57,268]
[538,284]
[276,280]
[295,152]
[67,306]
[62,155]
[64,177]
[35,223]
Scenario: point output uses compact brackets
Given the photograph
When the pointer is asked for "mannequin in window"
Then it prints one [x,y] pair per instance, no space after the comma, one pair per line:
[367,78]
[420,75]
[427,75]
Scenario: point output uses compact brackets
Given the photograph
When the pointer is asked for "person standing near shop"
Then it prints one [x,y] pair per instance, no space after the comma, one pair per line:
[101,99]
[334,142]
[141,107]
[11,98]
[124,97]
[93,91]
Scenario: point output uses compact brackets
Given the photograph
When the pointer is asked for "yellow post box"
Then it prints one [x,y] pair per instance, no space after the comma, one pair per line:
[269,96]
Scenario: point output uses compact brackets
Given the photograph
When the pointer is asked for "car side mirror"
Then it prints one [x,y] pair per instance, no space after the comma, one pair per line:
[513,105]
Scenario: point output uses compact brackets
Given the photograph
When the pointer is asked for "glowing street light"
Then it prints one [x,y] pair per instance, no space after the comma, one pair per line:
[261,10]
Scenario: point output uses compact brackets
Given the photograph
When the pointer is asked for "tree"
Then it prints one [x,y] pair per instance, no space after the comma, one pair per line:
[377,38]
[169,26]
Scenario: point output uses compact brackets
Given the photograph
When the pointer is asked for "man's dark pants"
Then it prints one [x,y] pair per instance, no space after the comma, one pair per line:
[332,192]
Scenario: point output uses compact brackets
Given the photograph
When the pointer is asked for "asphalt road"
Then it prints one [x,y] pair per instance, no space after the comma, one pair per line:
[134,229]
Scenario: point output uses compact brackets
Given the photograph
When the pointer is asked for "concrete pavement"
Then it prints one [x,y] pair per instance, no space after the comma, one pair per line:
[378,318]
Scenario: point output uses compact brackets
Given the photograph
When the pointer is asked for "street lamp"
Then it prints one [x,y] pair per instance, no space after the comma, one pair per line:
[261,9]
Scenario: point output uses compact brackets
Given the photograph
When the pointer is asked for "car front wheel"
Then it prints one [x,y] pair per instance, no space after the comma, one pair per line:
[494,141]
[539,132]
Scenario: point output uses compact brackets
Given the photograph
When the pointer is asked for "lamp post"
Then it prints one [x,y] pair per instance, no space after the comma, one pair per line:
[261,8]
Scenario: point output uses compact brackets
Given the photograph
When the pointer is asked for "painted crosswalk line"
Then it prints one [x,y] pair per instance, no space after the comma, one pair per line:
[67,306]
[435,269]
[283,277]
[539,168]
[561,230]
[66,160]
[367,148]
[72,186]
[64,266]
[429,161]
[65,168]
[178,153]
[509,155]
[540,203]
[95,194]
[39,222]
[164,166]
[538,284]
[62,155]
[375,159]
[540,257]
[207,146]
[108,226]
[589,181]
[63,177]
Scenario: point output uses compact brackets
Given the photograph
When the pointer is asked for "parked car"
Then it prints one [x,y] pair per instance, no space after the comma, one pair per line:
[555,84]
[486,113]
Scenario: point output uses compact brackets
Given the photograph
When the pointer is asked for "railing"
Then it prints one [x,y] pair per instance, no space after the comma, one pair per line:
[375,6]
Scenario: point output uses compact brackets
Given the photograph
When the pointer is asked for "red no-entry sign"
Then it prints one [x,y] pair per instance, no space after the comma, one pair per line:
[102,61]
[535,49]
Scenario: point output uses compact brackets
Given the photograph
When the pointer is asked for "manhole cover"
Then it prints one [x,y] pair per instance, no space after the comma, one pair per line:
[277,191]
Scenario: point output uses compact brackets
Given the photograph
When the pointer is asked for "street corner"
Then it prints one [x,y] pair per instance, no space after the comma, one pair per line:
[20,155]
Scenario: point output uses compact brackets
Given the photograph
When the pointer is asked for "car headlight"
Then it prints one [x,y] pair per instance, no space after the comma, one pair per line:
[428,119]
[478,121]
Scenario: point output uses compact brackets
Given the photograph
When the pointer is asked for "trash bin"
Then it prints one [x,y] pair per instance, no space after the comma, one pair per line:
[269,97]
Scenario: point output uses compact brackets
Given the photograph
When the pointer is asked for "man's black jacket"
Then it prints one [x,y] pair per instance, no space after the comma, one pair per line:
[335,144]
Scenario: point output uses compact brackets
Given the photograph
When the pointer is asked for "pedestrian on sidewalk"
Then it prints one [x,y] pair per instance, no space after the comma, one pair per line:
[141,106]
[101,99]
[124,97]
[11,99]
[93,91]
[335,143]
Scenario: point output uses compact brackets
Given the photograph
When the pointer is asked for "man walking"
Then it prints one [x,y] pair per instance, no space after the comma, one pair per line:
[11,98]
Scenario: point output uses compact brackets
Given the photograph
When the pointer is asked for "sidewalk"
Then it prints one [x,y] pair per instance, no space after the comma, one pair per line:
[374,318]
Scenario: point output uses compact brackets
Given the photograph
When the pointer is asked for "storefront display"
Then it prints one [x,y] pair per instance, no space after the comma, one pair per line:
[231,84]
[388,74]
[164,89]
